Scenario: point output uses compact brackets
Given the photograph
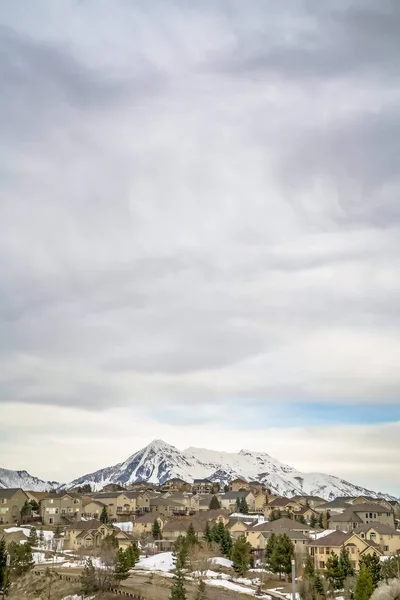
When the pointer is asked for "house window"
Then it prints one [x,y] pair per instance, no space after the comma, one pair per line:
[76,501]
[374,515]
[386,548]
[119,509]
[322,564]
[321,550]
[370,515]
[51,521]
[51,501]
[352,550]
[3,501]
[379,514]
[372,536]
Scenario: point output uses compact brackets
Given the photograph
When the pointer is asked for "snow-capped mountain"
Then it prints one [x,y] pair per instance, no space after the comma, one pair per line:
[159,461]
[22,479]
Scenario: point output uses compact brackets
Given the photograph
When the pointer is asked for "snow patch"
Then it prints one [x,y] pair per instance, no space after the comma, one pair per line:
[223,562]
[159,562]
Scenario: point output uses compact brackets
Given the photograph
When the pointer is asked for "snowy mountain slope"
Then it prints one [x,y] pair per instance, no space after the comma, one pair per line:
[159,461]
[22,479]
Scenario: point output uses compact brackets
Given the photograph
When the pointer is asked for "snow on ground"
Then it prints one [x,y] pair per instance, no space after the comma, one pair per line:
[25,530]
[320,534]
[127,526]
[221,561]
[210,574]
[76,597]
[158,562]
[38,557]
[229,585]
[243,516]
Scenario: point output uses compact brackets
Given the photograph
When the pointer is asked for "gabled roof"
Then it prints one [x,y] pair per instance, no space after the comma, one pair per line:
[182,525]
[91,524]
[9,492]
[280,502]
[165,502]
[336,503]
[234,495]
[148,518]
[378,527]
[348,516]
[238,479]
[202,481]
[335,539]
[280,524]
[91,501]
[364,507]
[110,495]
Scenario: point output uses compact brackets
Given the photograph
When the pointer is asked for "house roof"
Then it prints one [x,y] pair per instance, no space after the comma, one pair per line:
[279,524]
[148,518]
[304,497]
[109,495]
[336,503]
[91,501]
[234,495]
[378,527]
[202,481]
[183,524]
[280,502]
[175,480]
[91,524]
[9,492]
[366,507]
[38,495]
[335,539]
[348,516]
[238,479]
[165,502]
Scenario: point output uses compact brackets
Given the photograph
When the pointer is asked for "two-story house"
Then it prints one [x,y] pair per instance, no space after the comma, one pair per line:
[119,505]
[322,548]
[229,499]
[176,485]
[238,485]
[359,514]
[281,505]
[90,535]
[11,503]
[60,509]
[386,537]
[202,486]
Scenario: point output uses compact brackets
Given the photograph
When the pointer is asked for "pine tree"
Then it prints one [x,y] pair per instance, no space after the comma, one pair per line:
[269,548]
[373,564]
[241,555]
[121,568]
[33,538]
[178,590]
[309,569]
[390,568]
[132,554]
[282,554]
[207,536]
[226,543]
[88,578]
[313,521]
[181,551]
[201,591]
[21,558]
[275,515]
[25,511]
[320,521]
[302,520]
[244,507]
[104,515]
[214,503]
[364,587]
[319,585]
[35,507]
[41,537]
[156,530]
[57,531]
[4,583]
[238,504]
[345,564]
[333,572]
[191,537]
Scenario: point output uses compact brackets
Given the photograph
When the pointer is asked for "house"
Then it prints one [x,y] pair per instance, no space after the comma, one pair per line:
[144,523]
[336,506]
[203,486]
[359,514]
[61,509]
[311,501]
[238,485]
[371,500]
[236,528]
[113,487]
[386,537]
[188,500]
[36,496]
[173,528]
[92,509]
[321,549]
[281,505]
[119,504]
[305,512]
[90,535]
[169,507]
[260,502]
[257,535]
[176,485]
[141,500]
[11,502]
[257,487]
[229,499]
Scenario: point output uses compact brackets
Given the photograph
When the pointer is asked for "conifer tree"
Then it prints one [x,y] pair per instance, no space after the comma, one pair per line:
[270,547]
[178,590]
[226,543]
[33,538]
[238,504]
[364,586]
[302,520]
[373,564]
[156,530]
[320,521]
[132,554]
[191,537]
[41,537]
[319,585]
[244,507]
[241,555]
[3,566]
[309,569]
[313,521]
[21,558]
[121,568]
[207,536]
[214,503]
[282,554]
[88,579]
[104,515]
[334,573]
[25,511]
[201,591]
[345,564]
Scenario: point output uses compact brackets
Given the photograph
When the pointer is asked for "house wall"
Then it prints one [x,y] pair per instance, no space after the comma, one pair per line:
[55,510]
[10,508]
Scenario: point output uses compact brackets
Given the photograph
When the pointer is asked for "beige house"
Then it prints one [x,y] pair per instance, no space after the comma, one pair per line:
[187,499]
[169,507]
[176,485]
[371,500]
[334,507]
[144,523]
[229,499]
[141,499]
[257,487]
[281,505]
[333,543]
[359,514]
[90,535]
[11,503]
[203,486]
[60,509]
[119,504]
[311,501]
[238,485]
[257,535]
[260,502]
[236,528]
[387,538]
[92,509]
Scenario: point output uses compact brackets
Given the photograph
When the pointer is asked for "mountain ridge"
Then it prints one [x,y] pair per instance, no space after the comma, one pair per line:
[22,479]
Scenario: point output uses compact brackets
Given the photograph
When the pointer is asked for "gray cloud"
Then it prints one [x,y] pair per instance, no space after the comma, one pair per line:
[199,205]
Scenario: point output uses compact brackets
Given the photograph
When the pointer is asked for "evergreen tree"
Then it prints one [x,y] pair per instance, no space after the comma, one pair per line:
[4,583]
[121,568]
[178,590]
[313,521]
[318,585]
[104,515]
[57,531]
[390,568]
[238,504]
[191,537]
[320,521]
[25,511]
[373,565]
[302,520]
[244,507]
[35,507]
[41,537]
[275,515]
[207,536]
[88,578]
[345,564]
[282,554]
[156,530]
[309,569]
[181,551]
[21,558]
[132,554]
[226,543]
[201,591]
[241,555]
[333,572]
[269,548]
[214,503]
[364,586]
[109,542]
[33,538]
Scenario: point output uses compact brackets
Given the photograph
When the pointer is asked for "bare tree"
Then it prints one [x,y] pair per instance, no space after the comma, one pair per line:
[387,591]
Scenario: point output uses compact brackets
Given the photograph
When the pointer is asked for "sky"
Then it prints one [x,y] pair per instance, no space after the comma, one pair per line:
[200,232]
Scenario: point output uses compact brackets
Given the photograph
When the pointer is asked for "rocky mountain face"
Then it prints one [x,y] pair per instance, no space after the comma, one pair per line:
[22,479]
[159,462]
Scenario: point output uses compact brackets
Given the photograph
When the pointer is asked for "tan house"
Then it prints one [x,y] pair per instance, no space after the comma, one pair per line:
[260,502]
[144,523]
[61,509]
[359,514]
[187,499]
[113,487]
[11,503]
[119,505]
[90,535]
[92,509]
[387,538]
[141,499]
[306,512]
[311,501]
[281,505]
[334,507]
[371,500]
[321,549]
[236,528]
[257,487]
[229,499]
[169,507]
[257,535]
[238,485]
[203,486]
[176,485]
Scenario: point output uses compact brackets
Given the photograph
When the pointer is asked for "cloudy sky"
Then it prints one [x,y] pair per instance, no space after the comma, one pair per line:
[200,232]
